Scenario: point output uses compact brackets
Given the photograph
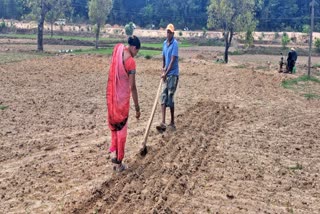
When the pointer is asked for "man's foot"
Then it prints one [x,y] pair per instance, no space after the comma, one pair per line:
[172,126]
[161,127]
[120,167]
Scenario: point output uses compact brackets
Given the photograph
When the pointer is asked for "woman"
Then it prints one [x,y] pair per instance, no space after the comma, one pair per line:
[121,82]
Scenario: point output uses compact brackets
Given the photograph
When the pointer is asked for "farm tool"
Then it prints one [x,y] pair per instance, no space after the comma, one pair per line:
[144,150]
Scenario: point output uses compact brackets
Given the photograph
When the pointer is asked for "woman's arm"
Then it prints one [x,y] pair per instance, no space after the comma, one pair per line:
[134,91]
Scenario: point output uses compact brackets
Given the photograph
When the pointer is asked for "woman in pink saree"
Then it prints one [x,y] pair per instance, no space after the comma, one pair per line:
[121,83]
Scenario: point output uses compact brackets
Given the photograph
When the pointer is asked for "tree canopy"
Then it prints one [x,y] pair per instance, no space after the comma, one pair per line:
[40,9]
[271,15]
[231,16]
[98,13]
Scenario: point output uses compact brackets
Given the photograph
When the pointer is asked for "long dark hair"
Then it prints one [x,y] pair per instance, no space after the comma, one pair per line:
[134,41]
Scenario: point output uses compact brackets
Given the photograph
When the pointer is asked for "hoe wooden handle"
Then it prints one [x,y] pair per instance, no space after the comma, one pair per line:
[145,137]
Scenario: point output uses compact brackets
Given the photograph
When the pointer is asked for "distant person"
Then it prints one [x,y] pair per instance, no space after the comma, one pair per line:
[281,63]
[170,76]
[121,82]
[291,60]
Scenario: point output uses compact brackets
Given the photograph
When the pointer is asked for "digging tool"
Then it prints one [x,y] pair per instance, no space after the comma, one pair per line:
[144,150]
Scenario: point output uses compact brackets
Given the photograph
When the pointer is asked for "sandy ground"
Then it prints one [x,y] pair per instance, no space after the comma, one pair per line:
[243,143]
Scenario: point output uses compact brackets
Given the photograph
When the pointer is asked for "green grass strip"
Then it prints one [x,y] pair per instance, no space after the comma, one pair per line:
[3,107]
[311,96]
[103,51]
[108,51]
[80,38]
[289,84]
[17,57]
[159,45]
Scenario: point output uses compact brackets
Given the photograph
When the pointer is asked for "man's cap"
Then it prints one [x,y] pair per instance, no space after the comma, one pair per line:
[292,49]
[170,27]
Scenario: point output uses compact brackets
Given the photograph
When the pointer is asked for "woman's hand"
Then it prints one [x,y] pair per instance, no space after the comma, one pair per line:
[137,107]
[138,114]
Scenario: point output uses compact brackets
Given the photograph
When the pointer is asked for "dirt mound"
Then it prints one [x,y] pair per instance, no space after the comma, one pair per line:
[174,161]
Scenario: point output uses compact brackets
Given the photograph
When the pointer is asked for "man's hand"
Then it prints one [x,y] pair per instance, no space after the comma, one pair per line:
[163,75]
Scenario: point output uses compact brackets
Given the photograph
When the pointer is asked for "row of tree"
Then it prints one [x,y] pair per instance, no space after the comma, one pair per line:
[271,15]
[229,16]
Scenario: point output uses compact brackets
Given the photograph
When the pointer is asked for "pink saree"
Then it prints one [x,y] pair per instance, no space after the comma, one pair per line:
[118,102]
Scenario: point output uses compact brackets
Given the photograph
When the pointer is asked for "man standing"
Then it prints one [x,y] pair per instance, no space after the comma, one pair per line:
[170,76]
[291,60]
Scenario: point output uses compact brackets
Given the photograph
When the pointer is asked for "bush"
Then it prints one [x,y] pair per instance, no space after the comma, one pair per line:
[148,56]
[204,32]
[305,28]
[285,40]
[293,39]
[249,38]
[2,25]
[317,44]
[129,28]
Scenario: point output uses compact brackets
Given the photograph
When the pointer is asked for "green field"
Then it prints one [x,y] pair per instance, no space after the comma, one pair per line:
[304,85]
[80,38]
[108,51]
[16,57]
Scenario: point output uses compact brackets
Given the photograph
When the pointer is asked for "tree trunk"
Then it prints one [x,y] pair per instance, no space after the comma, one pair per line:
[227,45]
[97,35]
[40,33]
[228,39]
[40,27]
[51,30]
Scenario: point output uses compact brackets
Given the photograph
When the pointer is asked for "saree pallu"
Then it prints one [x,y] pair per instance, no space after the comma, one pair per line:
[118,101]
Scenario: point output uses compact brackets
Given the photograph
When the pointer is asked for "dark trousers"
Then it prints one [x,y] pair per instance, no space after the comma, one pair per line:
[291,64]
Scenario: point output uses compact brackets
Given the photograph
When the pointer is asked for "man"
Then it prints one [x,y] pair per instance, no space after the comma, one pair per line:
[291,60]
[170,76]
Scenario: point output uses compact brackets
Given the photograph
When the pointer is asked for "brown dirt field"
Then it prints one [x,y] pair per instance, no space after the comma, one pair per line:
[243,143]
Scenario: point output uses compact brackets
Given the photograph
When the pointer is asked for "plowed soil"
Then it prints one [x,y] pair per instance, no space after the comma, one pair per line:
[243,143]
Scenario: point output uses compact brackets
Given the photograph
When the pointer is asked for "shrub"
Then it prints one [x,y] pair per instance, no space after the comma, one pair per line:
[317,65]
[305,28]
[249,38]
[285,40]
[2,25]
[293,39]
[317,44]
[204,32]
[129,28]
[148,57]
